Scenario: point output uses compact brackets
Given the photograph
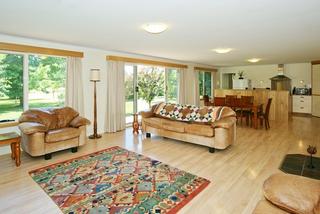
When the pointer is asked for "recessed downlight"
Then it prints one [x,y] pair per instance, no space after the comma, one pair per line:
[155,27]
[222,50]
[254,60]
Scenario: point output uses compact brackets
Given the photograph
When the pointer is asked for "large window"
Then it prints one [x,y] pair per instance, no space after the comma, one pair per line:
[148,85]
[205,84]
[30,81]
[11,86]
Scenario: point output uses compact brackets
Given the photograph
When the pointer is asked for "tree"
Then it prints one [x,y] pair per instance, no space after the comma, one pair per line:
[11,76]
[46,74]
[150,83]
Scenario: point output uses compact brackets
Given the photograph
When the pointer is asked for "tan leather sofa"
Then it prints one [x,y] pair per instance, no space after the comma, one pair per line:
[286,193]
[218,135]
[49,130]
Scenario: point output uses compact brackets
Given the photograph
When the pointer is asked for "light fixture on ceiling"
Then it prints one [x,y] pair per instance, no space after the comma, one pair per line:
[254,60]
[222,50]
[155,27]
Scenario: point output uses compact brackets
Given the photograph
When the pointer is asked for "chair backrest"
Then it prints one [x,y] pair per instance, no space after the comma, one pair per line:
[219,101]
[268,107]
[247,100]
[231,100]
[205,98]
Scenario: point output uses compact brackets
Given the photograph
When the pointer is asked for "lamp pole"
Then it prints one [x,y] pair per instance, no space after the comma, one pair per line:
[95,77]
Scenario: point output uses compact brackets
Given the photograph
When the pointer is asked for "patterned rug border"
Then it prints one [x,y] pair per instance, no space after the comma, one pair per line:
[172,211]
[64,161]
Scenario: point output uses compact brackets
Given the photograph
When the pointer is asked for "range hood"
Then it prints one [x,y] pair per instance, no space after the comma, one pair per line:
[281,81]
[280,76]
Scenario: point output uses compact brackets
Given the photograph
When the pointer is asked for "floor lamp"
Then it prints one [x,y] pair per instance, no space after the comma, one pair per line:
[95,77]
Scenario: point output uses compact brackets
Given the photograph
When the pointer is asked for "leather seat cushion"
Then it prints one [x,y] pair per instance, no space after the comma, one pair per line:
[153,122]
[265,207]
[56,135]
[296,194]
[174,126]
[199,129]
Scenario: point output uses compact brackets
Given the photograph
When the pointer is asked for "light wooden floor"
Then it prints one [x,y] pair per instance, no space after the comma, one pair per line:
[236,174]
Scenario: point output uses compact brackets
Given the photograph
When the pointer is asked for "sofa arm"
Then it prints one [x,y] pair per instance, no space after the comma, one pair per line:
[147,114]
[79,121]
[32,127]
[225,123]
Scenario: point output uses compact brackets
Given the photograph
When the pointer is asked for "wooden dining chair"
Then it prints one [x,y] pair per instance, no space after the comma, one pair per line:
[206,100]
[264,116]
[219,101]
[231,101]
[245,110]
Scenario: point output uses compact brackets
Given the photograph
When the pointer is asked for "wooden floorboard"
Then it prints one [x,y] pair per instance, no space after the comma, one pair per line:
[236,174]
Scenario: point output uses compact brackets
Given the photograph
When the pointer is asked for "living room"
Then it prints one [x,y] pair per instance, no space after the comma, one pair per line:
[157,94]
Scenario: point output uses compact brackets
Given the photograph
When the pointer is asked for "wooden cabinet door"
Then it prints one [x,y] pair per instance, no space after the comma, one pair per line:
[316,79]
[316,106]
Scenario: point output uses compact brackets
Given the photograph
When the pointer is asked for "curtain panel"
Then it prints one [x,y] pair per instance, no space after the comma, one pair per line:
[74,84]
[115,96]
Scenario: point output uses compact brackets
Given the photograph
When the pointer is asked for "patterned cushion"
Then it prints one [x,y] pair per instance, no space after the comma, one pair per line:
[191,113]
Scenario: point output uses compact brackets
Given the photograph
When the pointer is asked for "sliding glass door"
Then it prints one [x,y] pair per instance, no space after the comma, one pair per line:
[205,84]
[148,85]
[172,85]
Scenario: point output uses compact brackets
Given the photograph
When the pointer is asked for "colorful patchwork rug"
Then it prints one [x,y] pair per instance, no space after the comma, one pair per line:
[116,180]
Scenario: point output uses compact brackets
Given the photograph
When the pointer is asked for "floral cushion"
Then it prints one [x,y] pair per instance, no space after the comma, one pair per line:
[191,113]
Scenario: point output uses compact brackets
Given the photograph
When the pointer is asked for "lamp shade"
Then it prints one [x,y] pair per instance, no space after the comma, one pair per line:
[95,74]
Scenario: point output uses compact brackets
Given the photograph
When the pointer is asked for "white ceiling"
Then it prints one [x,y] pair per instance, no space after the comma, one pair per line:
[278,31]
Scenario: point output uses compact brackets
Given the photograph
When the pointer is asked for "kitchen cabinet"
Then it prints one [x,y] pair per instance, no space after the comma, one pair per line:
[316,88]
[301,104]
[241,83]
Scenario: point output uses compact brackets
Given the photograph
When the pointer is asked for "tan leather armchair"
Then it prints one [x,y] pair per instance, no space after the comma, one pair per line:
[44,131]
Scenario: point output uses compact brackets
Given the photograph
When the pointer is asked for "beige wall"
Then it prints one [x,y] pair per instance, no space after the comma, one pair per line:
[260,74]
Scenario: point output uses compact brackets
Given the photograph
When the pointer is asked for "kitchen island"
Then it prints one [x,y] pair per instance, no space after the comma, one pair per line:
[281,100]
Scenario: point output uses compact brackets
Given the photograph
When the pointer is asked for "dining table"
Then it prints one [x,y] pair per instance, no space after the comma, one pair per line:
[255,107]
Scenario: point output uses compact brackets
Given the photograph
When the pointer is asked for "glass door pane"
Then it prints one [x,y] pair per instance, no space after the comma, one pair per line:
[129,92]
[11,86]
[207,84]
[172,85]
[201,84]
[150,82]
[47,81]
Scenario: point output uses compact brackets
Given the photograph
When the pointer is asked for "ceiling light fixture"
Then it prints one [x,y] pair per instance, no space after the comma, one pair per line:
[222,50]
[155,27]
[254,60]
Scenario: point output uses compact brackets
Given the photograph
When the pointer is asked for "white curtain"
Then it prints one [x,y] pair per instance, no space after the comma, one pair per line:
[182,86]
[74,85]
[115,109]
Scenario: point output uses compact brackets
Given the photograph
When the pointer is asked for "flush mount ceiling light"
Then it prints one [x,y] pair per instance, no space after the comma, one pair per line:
[155,27]
[222,50]
[254,60]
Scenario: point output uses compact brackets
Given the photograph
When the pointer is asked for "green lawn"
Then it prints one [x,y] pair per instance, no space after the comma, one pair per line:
[129,108]
[10,109]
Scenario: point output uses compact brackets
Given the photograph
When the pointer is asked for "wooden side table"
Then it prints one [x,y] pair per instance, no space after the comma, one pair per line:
[135,124]
[13,139]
